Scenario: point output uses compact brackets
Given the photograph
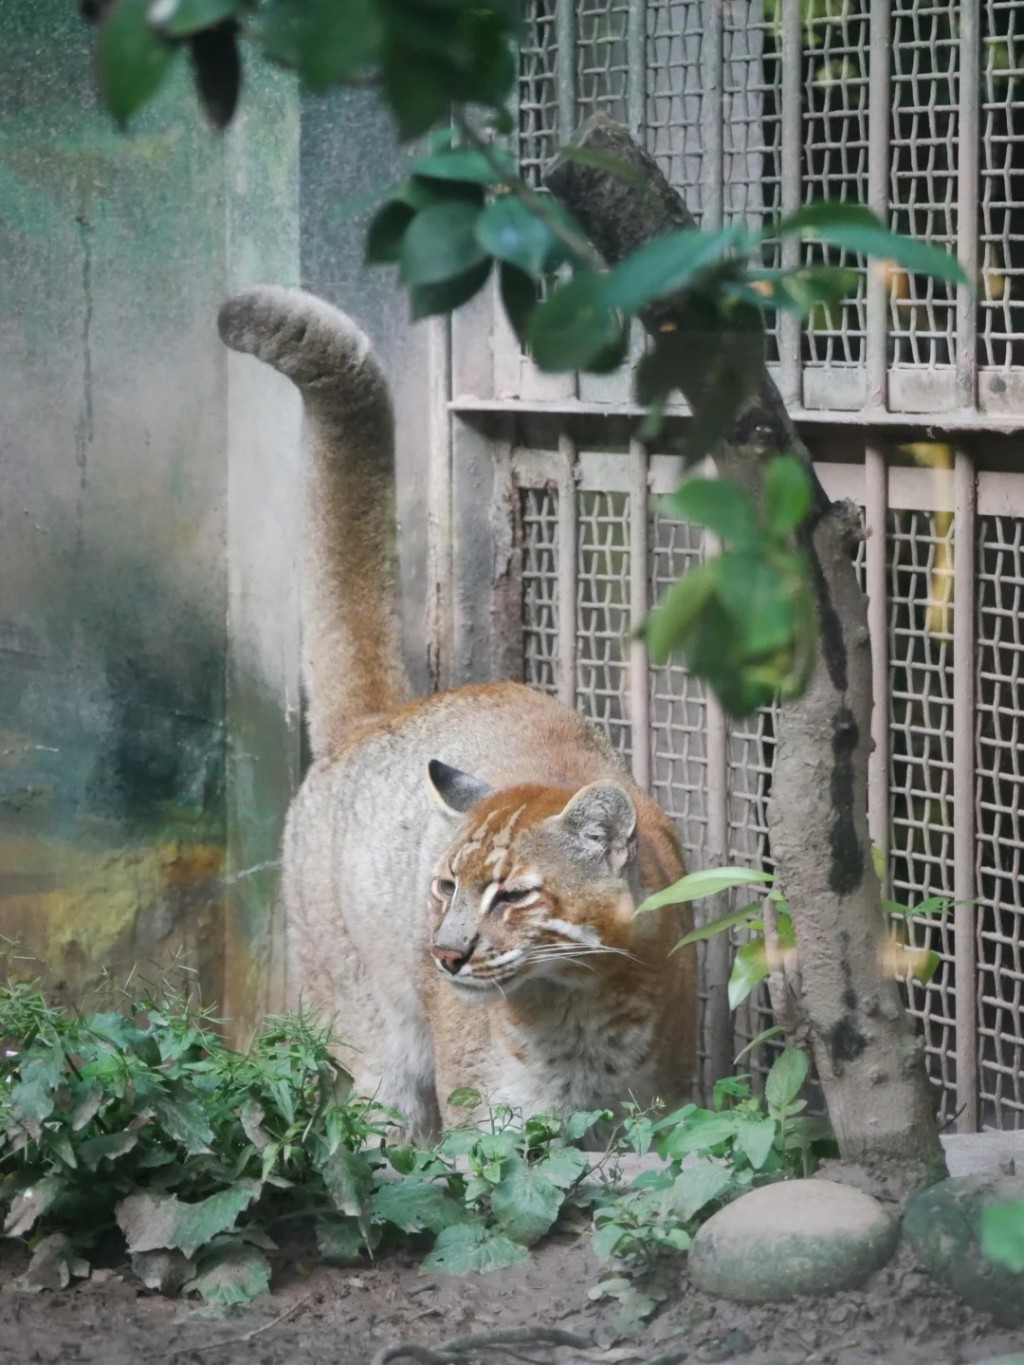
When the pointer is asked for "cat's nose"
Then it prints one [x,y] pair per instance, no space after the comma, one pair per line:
[451,959]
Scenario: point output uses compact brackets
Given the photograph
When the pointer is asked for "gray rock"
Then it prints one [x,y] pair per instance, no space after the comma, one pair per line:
[791,1238]
[942,1225]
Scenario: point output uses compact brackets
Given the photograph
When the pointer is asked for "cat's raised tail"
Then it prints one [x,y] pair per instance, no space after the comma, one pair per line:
[351,658]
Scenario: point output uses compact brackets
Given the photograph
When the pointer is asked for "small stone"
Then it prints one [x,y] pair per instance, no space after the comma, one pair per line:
[791,1238]
[942,1226]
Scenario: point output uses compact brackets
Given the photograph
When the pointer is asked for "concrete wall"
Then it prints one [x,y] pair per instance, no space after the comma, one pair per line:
[149,705]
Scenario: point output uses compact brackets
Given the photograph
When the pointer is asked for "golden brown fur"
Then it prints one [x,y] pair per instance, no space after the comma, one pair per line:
[461,872]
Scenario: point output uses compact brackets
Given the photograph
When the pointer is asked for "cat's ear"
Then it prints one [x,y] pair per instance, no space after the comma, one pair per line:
[601,820]
[457,791]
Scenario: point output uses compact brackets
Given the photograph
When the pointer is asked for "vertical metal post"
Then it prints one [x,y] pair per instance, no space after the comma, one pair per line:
[636,69]
[565,66]
[876,507]
[879,117]
[713,163]
[567,570]
[967,193]
[439,503]
[639,677]
[792,73]
[965,508]
[719,1038]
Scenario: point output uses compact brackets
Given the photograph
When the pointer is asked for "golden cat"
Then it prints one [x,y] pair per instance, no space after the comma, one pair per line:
[461,872]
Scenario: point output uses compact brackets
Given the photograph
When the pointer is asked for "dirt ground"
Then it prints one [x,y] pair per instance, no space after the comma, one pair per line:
[324,1315]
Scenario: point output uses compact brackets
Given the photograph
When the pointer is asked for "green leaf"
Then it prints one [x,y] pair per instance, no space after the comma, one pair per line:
[132,59]
[185,1122]
[755,1138]
[471,1247]
[426,300]
[787,495]
[107,1146]
[386,231]
[710,881]
[749,969]
[179,18]
[670,623]
[324,41]
[574,327]
[720,505]
[520,296]
[600,161]
[465,1097]
[851,227]
[578,1125]
[339,1239]
[697,1186]
[746,914]
[232,1272]
[151,1222]
[786,1078]
[525,1203]
[413,1205]
[563,1166]
[701,1133]
[348,1177]
[29,1205]
[1002,1234]
[606,1239]
[759,601]
[511,232]
[668,265]
[763,1037]
[33,1097]
[466,164]
[440,243]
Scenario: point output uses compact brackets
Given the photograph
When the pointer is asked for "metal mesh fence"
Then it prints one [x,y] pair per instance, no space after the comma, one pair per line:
[919,549]
[934,140]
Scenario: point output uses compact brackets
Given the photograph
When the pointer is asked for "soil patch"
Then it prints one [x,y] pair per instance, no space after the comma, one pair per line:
[324,1315]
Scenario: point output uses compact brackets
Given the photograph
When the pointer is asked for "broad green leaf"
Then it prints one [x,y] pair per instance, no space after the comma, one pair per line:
[573,327]
[232,1272]
[563,1166]
[28,1206]
[54,1264]
[153,1221]
[878,862]
[510,232]
[698,1135]
[33,1096]
[339,1239]
[413,1205]
[465,1097]
[697,1186]
[186,1122]
[348,1178]
[710,881]
[763,1037]
[746,914]
[416,92]
[749,969]
[579,1124]
[471,1247]
[107,1146]
[851,227]
[672,619]
[324,41]
[784,1081]
[132,58]
[787,495]
[755,1138]
[386,231]
[179,18]
[667,265]
[440,244]
[606,1239]
[720,505]
[426,300]
[525,1203]
[1002,1234]
[758,599]
[467,164]
[520,296]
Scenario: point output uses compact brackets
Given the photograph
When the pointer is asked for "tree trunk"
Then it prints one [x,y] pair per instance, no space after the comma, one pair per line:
[869,1060]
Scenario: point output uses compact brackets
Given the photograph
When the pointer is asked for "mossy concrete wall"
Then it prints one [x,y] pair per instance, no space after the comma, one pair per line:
[149,700]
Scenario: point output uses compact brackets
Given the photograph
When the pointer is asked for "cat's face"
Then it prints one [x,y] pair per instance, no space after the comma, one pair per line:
[535,883]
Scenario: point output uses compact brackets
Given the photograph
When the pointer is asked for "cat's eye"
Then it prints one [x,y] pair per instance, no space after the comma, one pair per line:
[443,887]
[512,895]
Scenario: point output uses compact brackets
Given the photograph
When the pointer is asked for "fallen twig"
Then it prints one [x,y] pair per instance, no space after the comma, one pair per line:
[251,1334]
[459,1350]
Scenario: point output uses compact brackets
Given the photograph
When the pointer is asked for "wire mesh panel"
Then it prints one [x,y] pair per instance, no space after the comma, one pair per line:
[538,538]
[1002,184]
[602,58]
[921,762]
[1000,823]
[674,93]
[602,613]
[538,88]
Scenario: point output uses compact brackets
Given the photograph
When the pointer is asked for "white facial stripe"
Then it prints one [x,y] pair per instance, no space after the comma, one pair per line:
[496,857]
[579,933]
[503,959]
[487,899]
[503,835]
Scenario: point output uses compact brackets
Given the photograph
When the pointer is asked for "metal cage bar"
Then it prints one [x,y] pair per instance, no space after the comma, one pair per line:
[567,566]
[639,671]
[967,204]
